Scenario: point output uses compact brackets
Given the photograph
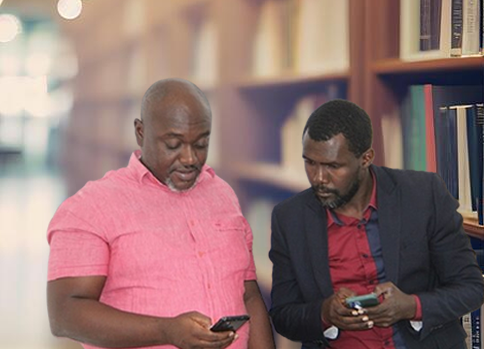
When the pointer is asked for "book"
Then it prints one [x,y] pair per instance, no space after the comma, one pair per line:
[471,27]
[439,19]
[322,43]
[430,20]
[456,24]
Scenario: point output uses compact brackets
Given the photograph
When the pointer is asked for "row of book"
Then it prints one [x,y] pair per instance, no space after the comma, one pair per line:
[441,28]
[299,35]
[472,322]
[442,130]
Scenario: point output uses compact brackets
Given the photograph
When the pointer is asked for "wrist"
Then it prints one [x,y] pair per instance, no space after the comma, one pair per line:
[165,329]
[411,308]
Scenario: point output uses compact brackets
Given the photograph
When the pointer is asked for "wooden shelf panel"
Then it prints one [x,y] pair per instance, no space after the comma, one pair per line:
[397,66]
[290,79]
[272,174]
[472,227]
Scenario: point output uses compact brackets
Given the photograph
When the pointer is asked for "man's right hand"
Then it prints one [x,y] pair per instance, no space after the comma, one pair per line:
[192,331]
[334,312]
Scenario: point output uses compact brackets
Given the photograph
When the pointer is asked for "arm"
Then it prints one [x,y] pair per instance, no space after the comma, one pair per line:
[292,316]
[460,286]
[260,335]
[75,312]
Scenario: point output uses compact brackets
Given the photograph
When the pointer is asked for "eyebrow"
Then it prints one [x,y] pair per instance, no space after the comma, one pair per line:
[178,135]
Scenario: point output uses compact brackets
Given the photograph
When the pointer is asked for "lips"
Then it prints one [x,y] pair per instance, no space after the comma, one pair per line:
[186,176]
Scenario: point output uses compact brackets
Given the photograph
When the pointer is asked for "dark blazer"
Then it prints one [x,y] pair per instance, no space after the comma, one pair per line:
[425,250]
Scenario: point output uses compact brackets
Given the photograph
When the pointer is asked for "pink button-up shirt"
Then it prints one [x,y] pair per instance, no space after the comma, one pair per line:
[163,252]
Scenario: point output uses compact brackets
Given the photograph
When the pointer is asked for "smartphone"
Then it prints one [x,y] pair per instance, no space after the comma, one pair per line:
[230,323]
[363,301]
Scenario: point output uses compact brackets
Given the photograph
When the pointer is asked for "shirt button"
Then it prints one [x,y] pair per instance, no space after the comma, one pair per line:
[208,286]
[200,253]
[365,255]
[372,282]
[192,223]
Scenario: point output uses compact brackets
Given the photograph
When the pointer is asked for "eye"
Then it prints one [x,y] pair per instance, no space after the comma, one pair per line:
[334,166]
[309,162]
[173,145]
[201,146]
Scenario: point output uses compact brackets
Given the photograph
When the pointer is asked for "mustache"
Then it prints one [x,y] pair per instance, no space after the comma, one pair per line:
[187,168]
[323,189]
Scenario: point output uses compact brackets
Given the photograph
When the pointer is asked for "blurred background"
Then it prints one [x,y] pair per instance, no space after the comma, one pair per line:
[73,72]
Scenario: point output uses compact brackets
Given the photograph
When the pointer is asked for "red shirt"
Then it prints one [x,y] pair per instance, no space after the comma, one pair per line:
[356,262]
[163,252]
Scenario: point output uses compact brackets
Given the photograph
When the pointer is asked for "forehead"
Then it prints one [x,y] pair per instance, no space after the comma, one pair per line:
[334,149]
[180,117]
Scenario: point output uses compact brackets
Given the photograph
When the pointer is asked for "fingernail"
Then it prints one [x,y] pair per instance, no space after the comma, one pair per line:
[370,324]
[361,311]
[365,318]
[354,313]
[232,334]
[236,336]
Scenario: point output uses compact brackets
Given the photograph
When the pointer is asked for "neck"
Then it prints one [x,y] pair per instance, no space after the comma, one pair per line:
[358,204]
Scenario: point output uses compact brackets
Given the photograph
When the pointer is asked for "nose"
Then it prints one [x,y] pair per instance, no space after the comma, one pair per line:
[322,175]
[188,156]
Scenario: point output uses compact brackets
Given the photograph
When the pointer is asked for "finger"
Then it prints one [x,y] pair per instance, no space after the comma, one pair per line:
[201,319]
[211,336]
[344,292]
[218,343]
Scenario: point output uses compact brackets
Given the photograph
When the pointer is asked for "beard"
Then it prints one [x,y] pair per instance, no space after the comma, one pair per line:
[340,199]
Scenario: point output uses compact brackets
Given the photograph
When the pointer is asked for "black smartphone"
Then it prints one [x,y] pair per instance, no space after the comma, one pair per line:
[363,301]
[230,323]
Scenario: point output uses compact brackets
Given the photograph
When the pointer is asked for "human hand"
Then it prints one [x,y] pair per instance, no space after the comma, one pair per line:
[395,306]
[334,312]
[192,331]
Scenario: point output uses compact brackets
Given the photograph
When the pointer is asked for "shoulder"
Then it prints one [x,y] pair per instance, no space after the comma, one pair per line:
[296,202]
[417,179]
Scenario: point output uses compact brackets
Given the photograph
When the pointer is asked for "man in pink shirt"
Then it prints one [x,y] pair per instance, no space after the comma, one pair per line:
[154,253]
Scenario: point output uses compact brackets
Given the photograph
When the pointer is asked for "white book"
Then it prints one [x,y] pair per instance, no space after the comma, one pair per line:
[322,44]
[470,27]
[410,32]
[206,54]
[463,172]
[268,49]
[391,126]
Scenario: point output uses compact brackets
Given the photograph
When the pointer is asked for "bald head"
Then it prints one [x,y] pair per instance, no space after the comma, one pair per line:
[169,93]
[174,132]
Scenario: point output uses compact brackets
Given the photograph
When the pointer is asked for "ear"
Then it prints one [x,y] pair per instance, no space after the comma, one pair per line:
[139,131]
[368,157]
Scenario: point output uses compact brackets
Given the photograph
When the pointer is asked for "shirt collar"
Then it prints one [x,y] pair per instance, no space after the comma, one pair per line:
[333,217]
[142,175]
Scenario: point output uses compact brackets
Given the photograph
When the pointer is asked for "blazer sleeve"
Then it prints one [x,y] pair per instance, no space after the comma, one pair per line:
[460,287]
[292,316]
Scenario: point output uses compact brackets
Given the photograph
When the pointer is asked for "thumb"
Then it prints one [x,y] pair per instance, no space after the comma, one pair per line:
[201,319]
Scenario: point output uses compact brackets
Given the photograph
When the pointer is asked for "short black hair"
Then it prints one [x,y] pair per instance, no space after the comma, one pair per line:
[341,116]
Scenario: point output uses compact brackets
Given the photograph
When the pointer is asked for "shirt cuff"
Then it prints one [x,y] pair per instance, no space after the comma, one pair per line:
[418,309]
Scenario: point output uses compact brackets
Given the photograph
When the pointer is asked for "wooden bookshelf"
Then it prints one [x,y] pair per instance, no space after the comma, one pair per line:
[387,75]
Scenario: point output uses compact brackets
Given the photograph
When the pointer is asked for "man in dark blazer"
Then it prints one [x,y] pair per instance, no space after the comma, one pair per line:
[360,229]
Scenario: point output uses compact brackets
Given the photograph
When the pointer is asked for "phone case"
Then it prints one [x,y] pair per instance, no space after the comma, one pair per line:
[363,301]
[230,323]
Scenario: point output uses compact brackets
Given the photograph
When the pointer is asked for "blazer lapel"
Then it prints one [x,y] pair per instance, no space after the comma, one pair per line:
[317,243]
[389,222]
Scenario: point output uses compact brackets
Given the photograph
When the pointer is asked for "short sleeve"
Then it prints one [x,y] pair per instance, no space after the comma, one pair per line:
[76,249]
[250,274]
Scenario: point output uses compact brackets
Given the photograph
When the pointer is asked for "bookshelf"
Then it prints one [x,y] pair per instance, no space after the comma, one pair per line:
[387,76]
[125,45]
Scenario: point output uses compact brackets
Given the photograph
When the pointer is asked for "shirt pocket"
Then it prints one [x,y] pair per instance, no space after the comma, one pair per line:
[230,246]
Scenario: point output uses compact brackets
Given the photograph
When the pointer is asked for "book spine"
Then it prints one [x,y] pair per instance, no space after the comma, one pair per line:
[425,25]
[456,25]
[480,124]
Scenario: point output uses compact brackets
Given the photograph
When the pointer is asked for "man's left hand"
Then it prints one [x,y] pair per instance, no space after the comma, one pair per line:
[395,306]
